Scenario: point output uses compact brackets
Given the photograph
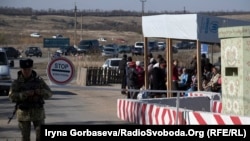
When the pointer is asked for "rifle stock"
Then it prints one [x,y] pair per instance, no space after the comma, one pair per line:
[13,114]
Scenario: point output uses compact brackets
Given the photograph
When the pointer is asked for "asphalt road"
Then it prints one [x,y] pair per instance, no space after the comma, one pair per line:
[78,107]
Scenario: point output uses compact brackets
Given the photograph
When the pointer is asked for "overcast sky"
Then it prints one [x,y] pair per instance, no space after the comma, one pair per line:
[134,5]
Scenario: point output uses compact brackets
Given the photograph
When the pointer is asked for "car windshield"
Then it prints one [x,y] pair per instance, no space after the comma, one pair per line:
[151,43]
[123,47]
[138,49]
[111,45]
[109,49]
[84,44]
[115,63]
[3,60]
[139,44]
[33,48]
[160,43]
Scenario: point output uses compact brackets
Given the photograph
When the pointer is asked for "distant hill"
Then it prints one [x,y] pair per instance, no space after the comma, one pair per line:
[16,29]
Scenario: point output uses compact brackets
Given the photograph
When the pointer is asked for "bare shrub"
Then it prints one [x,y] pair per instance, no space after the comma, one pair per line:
[33,17]
[87,60]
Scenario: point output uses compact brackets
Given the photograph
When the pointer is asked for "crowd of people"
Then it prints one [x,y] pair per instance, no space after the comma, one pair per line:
[183,78]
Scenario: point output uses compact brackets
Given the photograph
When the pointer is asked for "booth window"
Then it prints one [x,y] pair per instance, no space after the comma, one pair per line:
[231,72]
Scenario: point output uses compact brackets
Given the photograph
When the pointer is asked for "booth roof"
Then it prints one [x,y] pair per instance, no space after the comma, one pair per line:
[199,27]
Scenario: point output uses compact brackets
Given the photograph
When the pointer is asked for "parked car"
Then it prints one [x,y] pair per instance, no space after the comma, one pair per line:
[57,36]
[124,49]
[111,45]
[152,46]
[139,44]
[69,50]
[161,45]
[138,51]
[174,49]
[33,51]
[36,35]
[55,55]
[112,63]
[186,45]
[88,46]
[110,52]
[12,52]
[5,75]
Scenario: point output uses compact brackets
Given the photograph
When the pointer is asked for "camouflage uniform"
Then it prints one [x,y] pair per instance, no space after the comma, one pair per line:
[30,109]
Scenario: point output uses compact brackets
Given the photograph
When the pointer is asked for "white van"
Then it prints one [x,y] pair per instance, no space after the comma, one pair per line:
[112,63]
[139,44]
[5,77]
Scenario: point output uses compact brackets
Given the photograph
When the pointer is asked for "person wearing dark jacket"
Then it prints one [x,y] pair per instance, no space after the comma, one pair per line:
[132,80]
[159,78]
[123,68]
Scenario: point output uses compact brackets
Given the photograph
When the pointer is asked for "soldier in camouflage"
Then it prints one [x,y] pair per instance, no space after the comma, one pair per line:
[29,91]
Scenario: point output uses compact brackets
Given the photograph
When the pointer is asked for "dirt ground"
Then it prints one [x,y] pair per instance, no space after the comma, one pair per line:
[17,29]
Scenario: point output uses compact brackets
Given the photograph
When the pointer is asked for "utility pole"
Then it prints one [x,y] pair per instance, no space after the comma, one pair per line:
[75,10]
[145,40]
[142,9]
[81,26]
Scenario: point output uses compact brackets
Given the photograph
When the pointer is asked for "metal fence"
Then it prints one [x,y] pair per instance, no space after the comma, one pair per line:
[102,76]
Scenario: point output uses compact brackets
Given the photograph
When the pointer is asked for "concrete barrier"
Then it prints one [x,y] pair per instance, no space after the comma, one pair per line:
[191,110]
[148,114]
[81,76]
[208,118]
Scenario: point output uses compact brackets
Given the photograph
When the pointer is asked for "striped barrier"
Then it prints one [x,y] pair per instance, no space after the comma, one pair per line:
[206,118]
[137,112]
[217,106]
[211,95]
[148,114]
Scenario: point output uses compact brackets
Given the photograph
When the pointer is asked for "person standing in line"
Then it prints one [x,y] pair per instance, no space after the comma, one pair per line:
[141,73]
[175,77]
[29,91]
[193,64]
[150,56]
[218,63]
[205,62]
[129,60]
[132,75]
[159,79]
[122,68]
[152,62]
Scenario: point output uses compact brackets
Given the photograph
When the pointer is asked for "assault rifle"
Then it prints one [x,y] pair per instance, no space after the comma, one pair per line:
[31,86]
[13,114]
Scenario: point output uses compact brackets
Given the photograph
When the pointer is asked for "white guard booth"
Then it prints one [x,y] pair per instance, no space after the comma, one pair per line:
[195,27]
[167,111]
